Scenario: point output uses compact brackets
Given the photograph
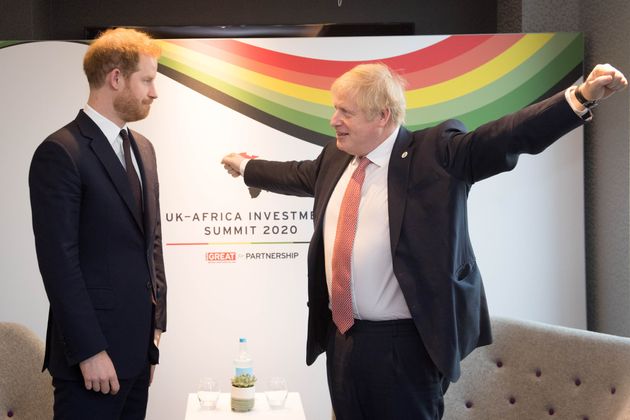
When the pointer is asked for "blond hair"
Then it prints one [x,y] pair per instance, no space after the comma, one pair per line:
[117,48]
[374,87]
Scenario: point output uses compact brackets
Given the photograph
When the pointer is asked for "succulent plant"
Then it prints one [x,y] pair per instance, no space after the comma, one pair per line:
[244,381]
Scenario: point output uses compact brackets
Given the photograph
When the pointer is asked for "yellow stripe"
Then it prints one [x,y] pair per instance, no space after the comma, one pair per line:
[240,77]
[481,76]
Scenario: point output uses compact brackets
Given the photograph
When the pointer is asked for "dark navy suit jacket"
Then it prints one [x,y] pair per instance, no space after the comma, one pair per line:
[430,174]
[102,268]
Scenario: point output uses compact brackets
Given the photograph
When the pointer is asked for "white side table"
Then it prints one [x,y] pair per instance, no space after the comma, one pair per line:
[292,409]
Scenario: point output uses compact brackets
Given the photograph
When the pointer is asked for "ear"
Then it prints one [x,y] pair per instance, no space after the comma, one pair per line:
[115,79]
[385,116]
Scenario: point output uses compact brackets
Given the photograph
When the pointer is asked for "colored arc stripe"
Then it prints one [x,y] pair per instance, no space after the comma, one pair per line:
[524,95]
[443,52]
[226,73]
[299,125]
[321,73]
[209,48]
[245,90]
[268,86]
[186,59]
[422,58]
[241,72]
[510,103]
[554,60]
[521,68]
[462,63]
[315,123]
[480,76]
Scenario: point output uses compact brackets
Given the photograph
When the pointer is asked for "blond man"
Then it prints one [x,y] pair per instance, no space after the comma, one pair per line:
[395,296]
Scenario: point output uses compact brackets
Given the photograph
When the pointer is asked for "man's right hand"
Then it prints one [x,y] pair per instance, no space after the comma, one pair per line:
[232,163]
[99,374]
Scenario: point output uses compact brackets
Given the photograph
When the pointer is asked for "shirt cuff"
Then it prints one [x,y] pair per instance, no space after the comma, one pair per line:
[242,166]
[585,113]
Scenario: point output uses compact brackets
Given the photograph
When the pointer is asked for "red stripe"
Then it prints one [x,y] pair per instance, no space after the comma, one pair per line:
[423,58]
[444,60]
[209,48]
[461,63]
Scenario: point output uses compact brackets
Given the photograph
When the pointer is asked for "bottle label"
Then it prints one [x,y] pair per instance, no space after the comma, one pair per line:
[244,370]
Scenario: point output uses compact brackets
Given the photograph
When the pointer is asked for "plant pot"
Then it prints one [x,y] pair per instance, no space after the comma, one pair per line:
[243,399]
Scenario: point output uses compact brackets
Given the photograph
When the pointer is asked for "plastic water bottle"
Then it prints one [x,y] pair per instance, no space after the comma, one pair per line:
[243,363]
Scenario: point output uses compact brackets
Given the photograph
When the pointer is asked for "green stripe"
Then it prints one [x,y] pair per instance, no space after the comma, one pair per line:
[307,107]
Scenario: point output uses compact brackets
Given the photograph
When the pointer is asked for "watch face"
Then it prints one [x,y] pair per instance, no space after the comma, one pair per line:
[590,104]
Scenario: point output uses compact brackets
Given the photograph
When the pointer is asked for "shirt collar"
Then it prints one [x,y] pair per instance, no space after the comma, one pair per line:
[380,155]
[109,129]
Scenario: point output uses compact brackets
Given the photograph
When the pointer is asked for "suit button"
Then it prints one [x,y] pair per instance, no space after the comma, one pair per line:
[149,285]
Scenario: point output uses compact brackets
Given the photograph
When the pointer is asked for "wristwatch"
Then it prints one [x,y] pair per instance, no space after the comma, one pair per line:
[589,104]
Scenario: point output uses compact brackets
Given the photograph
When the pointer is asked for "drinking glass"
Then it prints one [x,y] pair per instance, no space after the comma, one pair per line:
[208,393]
[276,392]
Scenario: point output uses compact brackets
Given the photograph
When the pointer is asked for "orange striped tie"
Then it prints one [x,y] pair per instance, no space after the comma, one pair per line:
[342,250]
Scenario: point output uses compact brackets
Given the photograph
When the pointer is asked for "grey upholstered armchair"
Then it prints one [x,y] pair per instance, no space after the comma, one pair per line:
[26,392]
[535,371]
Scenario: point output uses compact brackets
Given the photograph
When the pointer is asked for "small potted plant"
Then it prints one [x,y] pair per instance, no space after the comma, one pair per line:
[243,392]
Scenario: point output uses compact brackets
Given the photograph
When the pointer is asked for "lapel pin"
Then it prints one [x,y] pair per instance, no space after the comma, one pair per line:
[404,155]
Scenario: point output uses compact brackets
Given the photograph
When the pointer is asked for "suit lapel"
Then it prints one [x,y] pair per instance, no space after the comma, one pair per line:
[397,181]
[145,156]
[332,174]
[104,152]
[143,180]
[149,181]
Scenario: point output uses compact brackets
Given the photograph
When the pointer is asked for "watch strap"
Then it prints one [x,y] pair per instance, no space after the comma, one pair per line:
[589,104]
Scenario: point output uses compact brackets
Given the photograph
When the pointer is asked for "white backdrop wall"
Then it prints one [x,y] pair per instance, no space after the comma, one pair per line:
[526,225]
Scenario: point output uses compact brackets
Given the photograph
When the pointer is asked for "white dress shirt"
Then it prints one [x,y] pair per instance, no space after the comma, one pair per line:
[376,294]
[112,134]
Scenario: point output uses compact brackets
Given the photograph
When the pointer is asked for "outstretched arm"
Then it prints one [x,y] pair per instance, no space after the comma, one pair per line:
[296,178]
